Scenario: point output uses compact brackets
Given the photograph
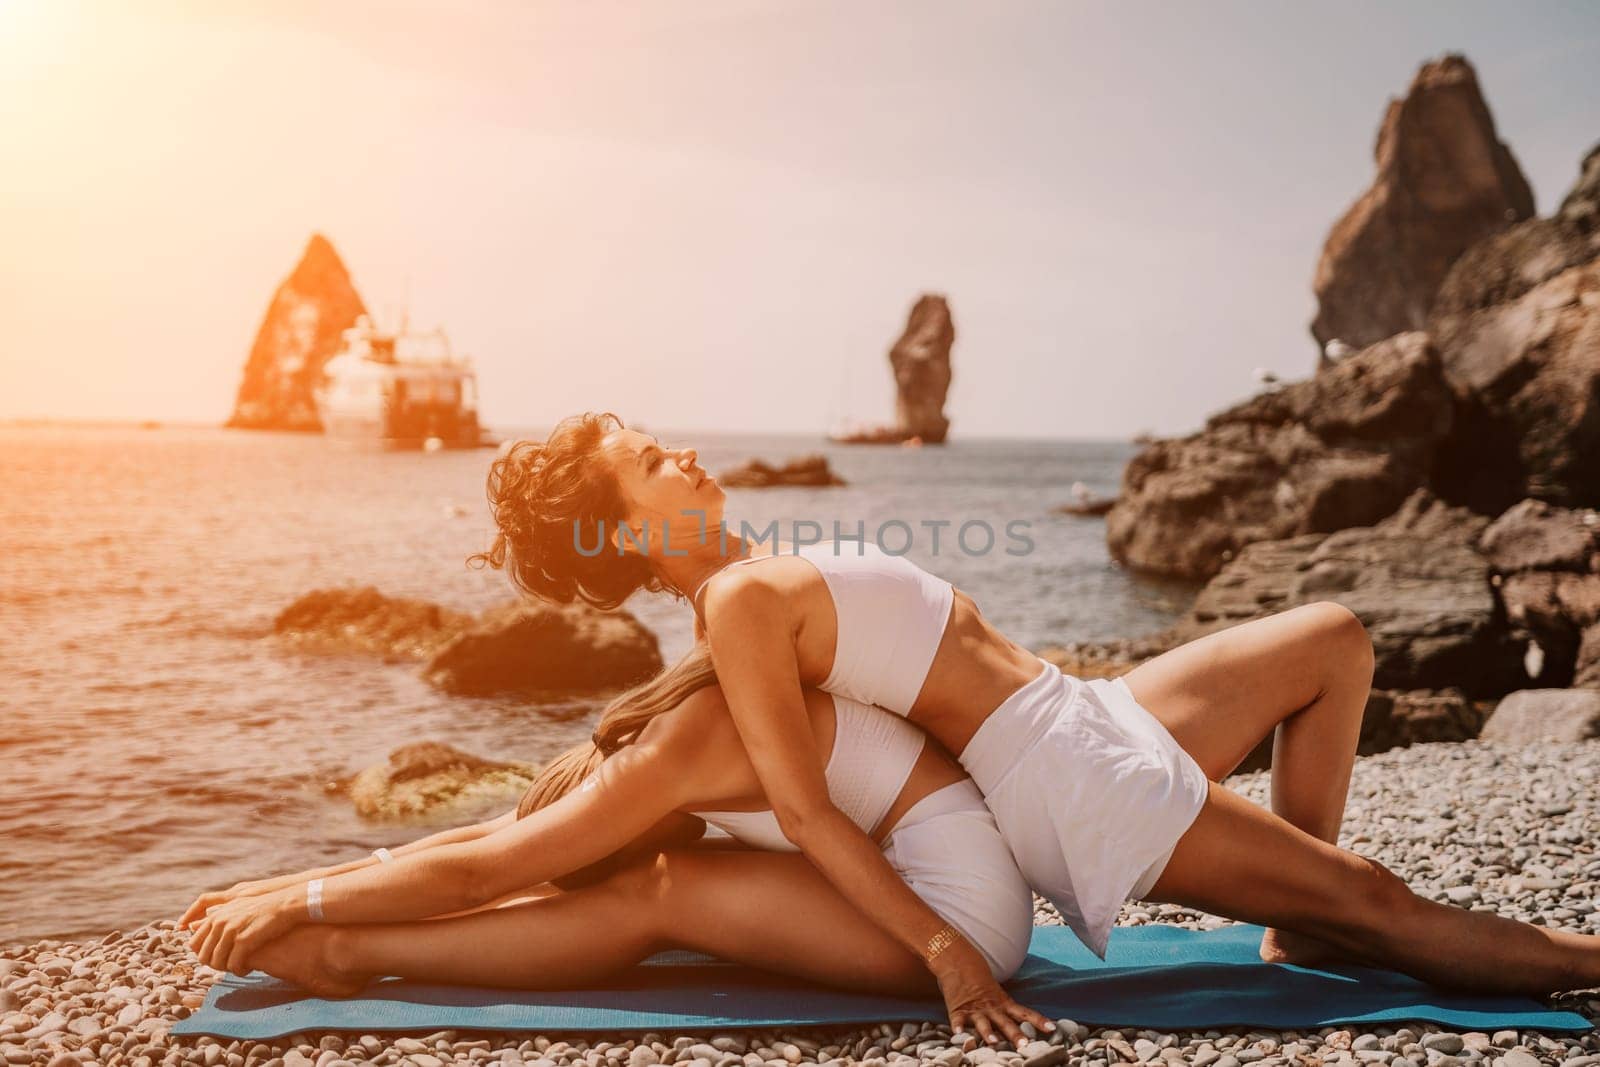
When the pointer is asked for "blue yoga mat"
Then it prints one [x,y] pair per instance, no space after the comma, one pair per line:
[1155,977]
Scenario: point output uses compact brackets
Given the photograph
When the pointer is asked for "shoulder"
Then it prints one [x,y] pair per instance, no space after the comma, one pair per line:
[691,733]
[748,591]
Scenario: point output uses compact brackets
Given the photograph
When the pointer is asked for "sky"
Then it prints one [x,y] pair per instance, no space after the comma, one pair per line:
[717,214]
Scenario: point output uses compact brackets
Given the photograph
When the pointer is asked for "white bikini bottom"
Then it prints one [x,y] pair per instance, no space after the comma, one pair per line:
[1089,789]
[950,852]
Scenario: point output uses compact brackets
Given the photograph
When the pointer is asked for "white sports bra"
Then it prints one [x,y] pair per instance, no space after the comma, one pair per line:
[873,755]
[892,615]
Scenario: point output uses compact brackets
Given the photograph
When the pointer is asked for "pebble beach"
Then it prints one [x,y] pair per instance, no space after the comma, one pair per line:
[1506,829]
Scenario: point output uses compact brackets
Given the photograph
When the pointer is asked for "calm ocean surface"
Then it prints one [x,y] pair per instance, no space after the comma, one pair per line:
[157,743]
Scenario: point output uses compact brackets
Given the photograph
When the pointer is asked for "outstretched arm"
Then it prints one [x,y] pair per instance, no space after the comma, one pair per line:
[752,643]
[257,887]
[635,792]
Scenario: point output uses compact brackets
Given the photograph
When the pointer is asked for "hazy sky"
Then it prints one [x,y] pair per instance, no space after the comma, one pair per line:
[717,214]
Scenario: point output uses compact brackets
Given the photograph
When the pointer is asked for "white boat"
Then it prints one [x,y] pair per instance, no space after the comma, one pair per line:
[405,389]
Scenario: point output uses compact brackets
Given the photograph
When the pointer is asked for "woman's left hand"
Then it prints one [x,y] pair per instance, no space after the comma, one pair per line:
[227,935]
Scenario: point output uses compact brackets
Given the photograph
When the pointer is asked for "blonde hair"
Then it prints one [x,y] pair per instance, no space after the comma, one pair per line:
[620,725]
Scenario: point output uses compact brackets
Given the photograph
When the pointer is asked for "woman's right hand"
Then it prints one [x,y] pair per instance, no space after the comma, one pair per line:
[210,899]
[973,997]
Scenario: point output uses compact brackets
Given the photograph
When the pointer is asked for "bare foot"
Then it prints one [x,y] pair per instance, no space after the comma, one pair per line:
[307,957]
[1286,946]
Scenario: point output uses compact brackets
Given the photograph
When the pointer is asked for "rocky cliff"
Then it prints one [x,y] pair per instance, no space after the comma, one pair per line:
[312,307]
[1444,182]
[1495,401]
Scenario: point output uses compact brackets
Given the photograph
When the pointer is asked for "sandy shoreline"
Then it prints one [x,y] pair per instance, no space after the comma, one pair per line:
[1515,830]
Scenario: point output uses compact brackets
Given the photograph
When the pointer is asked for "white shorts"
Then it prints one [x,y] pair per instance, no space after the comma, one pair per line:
[950,852]
[1089,789]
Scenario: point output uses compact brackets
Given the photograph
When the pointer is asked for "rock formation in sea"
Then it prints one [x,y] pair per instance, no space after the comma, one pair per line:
[366,620]
[1444,182]
[432,779]
[807,470]
[539,649]
[301,331]
[921,363]
[1342,448]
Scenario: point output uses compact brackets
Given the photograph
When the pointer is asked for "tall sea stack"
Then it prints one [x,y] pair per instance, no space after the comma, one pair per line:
[921,361]
[313,306]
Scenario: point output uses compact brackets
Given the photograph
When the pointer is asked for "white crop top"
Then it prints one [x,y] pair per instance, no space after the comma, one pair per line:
[891,616]
[873,755]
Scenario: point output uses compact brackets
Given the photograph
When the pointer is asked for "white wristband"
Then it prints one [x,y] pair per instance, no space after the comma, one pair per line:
[384,854]
[314,899]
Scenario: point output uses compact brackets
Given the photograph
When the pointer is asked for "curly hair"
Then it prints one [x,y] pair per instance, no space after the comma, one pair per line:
[548,498]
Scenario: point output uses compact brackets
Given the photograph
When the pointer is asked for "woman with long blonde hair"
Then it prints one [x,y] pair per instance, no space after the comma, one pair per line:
[608,823]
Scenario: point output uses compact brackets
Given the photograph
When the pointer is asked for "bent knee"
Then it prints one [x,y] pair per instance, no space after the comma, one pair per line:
[1339,628]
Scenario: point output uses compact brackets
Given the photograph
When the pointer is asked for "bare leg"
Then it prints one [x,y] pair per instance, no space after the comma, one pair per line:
[1240,860]
[1304,673]
[722,903]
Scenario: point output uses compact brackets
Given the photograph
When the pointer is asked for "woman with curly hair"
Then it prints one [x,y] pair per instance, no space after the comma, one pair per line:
[1102,788]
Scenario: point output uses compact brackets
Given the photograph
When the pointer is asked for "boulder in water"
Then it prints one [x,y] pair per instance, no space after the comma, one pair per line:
[365,620]
[546,649]
[428,778]
[532,648]
[808,470]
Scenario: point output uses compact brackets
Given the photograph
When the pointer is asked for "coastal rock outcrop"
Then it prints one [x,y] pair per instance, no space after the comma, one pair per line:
[301,331]
[811,470]
[1396,718]
[555,649]
[1545,715]
[533,648]
[1416,580]
[921,363]
[1518,327]
[1546,566]
[1444,182]
[1342,448]
[365,620]
[429,778]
